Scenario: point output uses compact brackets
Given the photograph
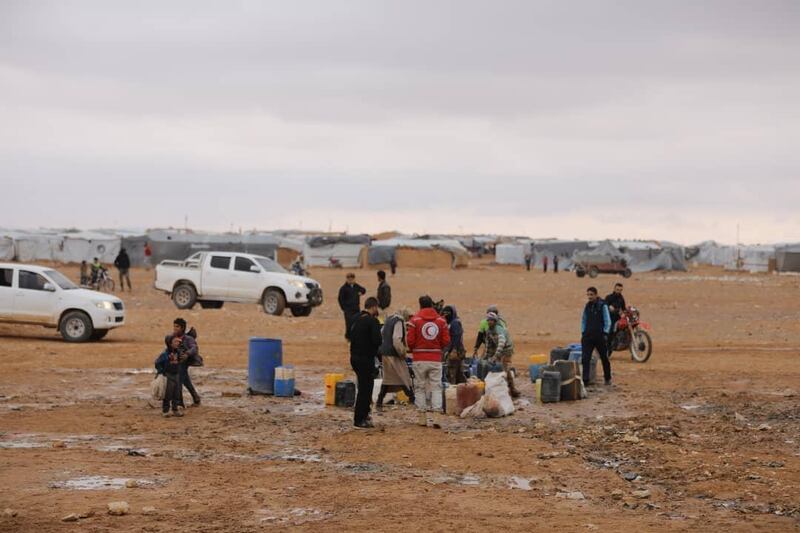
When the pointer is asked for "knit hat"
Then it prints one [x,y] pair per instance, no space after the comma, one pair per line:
[492,316]
[492,309]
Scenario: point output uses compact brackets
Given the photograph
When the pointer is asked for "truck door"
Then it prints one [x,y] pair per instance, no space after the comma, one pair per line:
[216,278]
[35,298]
[245,279]
[6,293]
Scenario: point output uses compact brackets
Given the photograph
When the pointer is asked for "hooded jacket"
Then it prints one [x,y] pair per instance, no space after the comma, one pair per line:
[122,262]
[456,332]
[427,336]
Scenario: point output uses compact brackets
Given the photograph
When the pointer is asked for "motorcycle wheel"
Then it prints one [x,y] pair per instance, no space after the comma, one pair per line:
[641,346]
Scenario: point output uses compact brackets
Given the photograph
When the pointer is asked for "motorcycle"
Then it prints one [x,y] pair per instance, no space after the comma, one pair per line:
[631,334]
[104,282]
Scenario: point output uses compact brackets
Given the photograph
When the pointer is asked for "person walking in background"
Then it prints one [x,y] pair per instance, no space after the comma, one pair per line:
[528,259]
[427,337]
[393,264]
[396,376]
[187,346]
[595,327]
[384,293]
[555,264]
[84,272]
[148,253]
[350,301]
[365,340]
[455,352]
[169,364]
[544,263]
[123,264]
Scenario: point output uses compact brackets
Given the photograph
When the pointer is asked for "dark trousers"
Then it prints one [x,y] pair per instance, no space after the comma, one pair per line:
[349,317]
[555,268]
[186,381]
[124,275]
[364,367]
[590,343]
[528,266]
[172,395]
[545,267]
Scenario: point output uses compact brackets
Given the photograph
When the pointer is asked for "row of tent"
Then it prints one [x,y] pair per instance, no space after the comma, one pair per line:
[347,250]
[640,256]
[352,251]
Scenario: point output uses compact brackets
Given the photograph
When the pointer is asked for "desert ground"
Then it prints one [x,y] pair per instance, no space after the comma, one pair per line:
[703,437]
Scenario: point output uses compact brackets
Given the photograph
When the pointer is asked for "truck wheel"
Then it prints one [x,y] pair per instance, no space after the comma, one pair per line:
[301,311]
[593,272]
[580,272]
[274,302]
[205,304]
[76,326]
[99,334]
[626,273]
[184,296]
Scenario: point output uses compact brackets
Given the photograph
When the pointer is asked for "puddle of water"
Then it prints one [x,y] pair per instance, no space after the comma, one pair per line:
[100,483]
[296,516]
[21,444]
[298,457]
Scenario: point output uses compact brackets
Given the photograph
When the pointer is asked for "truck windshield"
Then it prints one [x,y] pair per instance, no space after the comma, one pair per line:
[60,279]
[269,265]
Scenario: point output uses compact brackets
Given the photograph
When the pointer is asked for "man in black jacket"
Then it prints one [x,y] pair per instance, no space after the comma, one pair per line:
[616,304]
[384,292]
[350,301]
[365,340]
[123,264]
[595,327]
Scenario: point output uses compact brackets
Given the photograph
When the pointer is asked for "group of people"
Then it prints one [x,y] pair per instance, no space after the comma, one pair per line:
[529,260]
[90,273]
[173,363]
[435,343]
[433,339]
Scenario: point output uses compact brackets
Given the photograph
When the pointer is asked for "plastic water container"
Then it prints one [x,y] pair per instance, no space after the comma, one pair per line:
[575,346]
[539,390]
[577,356]
[330,387]
[551,386]
[284,381]
[345,393]
[534,371]
[559,354]
[451,400]
[467,394]
[264,356]
[538,359]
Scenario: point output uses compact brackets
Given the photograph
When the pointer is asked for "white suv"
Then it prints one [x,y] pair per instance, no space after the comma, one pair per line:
[31,294]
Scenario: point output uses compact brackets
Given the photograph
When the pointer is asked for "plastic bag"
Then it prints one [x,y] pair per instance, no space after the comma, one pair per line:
[475,410]
[158,387]
[497,389]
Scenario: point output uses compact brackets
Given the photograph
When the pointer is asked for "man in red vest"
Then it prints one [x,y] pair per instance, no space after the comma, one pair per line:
[427,337]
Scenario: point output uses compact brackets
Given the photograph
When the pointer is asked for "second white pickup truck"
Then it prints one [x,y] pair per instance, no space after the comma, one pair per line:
[213,278]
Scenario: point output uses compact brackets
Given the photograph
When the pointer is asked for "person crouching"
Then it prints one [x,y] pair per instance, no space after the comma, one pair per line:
[169,364]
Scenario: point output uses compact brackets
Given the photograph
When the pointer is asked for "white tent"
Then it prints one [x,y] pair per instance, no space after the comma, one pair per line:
[7,252]
[35,246]
[510,254]
[86,245]
[348,254]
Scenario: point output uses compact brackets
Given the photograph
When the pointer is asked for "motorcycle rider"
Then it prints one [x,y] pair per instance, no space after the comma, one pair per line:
[595,327]
[616,305]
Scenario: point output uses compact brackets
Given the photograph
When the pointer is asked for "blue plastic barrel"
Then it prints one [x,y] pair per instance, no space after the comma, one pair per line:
[264,356]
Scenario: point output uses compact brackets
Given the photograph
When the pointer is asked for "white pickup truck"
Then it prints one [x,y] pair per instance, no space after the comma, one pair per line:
[213,278]
[31,294]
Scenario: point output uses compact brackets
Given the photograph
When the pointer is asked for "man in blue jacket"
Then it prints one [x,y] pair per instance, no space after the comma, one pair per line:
[595,327]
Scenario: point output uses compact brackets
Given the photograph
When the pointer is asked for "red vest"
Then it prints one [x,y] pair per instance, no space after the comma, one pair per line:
[427,336]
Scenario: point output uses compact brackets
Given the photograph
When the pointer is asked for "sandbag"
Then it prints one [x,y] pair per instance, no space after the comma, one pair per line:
[158,387]
[497,389]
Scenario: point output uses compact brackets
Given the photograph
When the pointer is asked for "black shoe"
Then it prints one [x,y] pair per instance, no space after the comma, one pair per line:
[362,425]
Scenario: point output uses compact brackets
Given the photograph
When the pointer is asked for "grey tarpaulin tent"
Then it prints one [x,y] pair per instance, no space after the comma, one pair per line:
[787,258]
[346,249]
[180,244]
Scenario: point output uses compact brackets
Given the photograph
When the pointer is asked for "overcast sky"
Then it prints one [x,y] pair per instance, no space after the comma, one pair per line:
[590,119]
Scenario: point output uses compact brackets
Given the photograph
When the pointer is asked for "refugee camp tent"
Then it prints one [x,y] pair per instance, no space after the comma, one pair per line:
[788,258]
[7,250]
[347,249]
[752,258]
[563,249]
[419,253]
[511,254]
[180,244]
[75,247]
[646,256]
[35,245]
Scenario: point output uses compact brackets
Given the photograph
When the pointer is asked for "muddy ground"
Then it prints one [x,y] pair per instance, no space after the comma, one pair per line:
[709,427]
